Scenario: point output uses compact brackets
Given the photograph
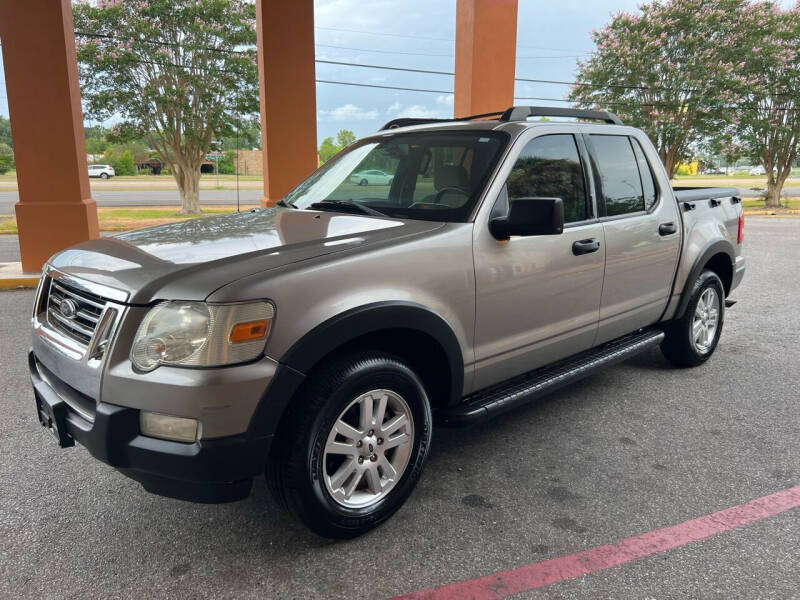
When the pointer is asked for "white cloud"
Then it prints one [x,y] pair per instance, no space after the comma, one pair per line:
[446,100]
[349,112]
[418,111]
[394,108]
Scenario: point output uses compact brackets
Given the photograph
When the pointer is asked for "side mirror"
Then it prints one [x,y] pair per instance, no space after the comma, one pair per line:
[530,216]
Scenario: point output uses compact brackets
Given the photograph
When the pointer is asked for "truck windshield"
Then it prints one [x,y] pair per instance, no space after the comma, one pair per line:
[432,176]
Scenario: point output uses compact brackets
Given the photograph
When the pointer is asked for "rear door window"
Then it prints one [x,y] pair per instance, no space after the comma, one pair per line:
[550,167]
[648,180]
[620,180]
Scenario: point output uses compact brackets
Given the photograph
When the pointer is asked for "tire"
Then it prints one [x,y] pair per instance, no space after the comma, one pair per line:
[363,182]
[682,345]
[307,460]
[103,175]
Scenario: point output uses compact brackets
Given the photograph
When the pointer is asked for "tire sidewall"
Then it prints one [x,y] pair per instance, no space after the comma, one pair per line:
[706,280]
[380,374]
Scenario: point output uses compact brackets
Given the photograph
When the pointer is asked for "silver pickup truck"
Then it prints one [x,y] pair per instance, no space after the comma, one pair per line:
[319,341]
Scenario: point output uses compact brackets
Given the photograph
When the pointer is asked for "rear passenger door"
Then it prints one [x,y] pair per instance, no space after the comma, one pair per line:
[537,297]
[641,227]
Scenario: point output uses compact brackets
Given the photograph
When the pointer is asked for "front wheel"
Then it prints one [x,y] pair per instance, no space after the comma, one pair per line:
[353,446]
[691,340]
[363,182]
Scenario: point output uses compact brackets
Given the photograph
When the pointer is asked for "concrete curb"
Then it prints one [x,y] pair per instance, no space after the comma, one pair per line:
[12,277]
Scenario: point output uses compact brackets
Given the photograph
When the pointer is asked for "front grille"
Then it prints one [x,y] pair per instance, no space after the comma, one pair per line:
[73,312]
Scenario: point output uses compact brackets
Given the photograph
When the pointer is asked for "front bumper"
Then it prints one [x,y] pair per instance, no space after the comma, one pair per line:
[216,470]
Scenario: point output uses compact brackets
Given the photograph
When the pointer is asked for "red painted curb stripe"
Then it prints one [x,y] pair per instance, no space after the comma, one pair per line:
[536,575]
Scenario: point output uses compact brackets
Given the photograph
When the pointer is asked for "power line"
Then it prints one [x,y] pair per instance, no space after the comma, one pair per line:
[437,39]
[382,51]
[351,64]
[384,87]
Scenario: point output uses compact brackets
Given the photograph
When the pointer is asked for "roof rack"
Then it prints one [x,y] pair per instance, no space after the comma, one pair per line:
[407,121]
[521,113]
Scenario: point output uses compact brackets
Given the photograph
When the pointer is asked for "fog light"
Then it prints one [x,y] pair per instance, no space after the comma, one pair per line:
[178,429]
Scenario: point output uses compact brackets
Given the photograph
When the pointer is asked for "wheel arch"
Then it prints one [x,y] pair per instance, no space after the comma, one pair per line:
[717,256]
[408,330]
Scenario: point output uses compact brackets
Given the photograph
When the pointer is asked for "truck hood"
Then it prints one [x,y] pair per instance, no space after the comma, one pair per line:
[190,259]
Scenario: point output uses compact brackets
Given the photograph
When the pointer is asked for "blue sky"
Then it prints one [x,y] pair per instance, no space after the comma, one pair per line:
[551,37]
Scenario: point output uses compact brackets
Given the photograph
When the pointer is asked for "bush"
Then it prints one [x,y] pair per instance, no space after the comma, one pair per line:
[6,158]
[121,161]
[227,166]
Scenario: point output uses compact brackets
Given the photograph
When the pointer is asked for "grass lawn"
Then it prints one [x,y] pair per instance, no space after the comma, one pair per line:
[125,219]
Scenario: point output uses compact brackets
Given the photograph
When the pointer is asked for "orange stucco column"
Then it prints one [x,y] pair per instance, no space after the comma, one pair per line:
[486,51]
[288,94]
[55,208]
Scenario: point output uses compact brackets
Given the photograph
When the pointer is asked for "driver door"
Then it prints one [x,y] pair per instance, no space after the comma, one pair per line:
[538,297]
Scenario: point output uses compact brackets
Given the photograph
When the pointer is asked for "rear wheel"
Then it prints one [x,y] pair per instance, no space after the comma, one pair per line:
[692,339]
[103,175]
[352,447]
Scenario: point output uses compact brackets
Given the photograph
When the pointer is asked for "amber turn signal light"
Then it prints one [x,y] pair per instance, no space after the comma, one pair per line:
[250,331]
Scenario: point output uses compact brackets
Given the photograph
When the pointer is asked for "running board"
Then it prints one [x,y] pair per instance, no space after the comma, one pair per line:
[497,399]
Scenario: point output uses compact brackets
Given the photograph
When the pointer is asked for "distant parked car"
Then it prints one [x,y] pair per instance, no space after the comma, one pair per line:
[101,171]
[716,171]
[759,170]
[371,177]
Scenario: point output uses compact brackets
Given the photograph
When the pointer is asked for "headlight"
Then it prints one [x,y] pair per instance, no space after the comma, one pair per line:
[196,334]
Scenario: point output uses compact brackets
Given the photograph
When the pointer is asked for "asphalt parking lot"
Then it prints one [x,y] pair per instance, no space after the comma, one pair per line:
[636,448]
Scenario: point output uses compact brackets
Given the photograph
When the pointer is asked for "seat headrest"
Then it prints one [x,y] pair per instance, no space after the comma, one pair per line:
[445,176]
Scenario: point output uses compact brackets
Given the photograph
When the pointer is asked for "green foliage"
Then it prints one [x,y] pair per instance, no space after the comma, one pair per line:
[121,159]
[6,158]
[180,73]
[345,137]
[249,136]
[328,148]
[227,166]
[768,88]
[669,69]
[5,132]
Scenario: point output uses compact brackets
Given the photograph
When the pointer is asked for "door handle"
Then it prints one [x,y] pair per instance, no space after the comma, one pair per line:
[667,229]
[585,246]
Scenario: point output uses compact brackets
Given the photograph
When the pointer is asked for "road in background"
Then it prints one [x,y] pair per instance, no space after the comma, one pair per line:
[225,197]
[149,198]
[632,449]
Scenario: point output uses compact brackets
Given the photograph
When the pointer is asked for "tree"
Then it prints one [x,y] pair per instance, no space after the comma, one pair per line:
[5,132]
[121,159]
[6,158]
[728,147]
[328,148]
[665,70]
[769,80]
[344,138]
[180,73]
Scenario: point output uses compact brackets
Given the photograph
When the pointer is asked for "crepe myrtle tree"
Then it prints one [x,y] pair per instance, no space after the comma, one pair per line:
[661,69]
[768,91]
[177,73]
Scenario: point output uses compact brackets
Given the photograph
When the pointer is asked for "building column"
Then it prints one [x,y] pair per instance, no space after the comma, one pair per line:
[486,51]
[55,208]
[286,73]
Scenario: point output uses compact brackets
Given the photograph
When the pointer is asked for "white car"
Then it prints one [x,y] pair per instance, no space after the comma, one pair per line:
[101,171]
[371,177]
[760,170]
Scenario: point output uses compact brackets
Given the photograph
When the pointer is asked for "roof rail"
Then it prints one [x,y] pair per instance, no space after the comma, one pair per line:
[407,121]
[521,113]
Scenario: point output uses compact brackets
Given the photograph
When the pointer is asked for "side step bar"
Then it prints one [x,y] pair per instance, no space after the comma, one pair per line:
[497,399]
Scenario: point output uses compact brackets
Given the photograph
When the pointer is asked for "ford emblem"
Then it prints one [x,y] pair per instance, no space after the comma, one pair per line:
[68,308]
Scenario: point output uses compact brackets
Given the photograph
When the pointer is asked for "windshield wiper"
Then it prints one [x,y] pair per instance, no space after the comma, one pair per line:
[349,204]
[282,202]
